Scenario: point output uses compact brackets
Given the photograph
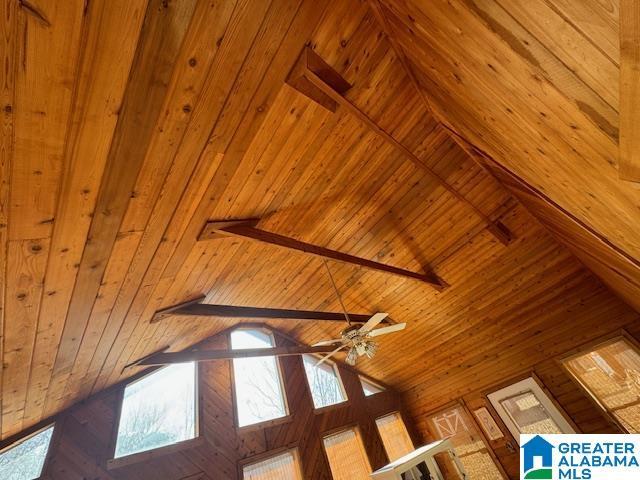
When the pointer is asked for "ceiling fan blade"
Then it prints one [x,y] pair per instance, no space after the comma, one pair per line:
[328,356]
[390,329]
[327,342]
[373,321]
[170,358]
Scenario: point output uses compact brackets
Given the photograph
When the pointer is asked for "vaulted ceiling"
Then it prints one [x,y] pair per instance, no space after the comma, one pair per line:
[128,124]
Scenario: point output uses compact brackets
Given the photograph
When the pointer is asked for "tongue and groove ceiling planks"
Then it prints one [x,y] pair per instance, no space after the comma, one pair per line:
[127,125]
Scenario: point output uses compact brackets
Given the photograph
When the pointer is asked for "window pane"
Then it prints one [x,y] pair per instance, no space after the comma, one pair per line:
[324,382]
[158,410]
[395,437]
[369,388]
[472,452]
[25,460]
[529,415]
[612,374]
[347,458]
[280,467]
[259,394]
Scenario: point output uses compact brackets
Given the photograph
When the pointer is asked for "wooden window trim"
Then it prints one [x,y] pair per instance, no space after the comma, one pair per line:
[260,457]
[234,399]
[197,440]
[600,342]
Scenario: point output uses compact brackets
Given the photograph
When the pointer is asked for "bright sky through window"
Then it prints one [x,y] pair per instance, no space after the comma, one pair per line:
[158,410]
[369,388]
[324,382]
[25,460]
[259,393]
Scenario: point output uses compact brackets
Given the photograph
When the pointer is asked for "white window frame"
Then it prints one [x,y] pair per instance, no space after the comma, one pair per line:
[336,370]
[523,386]
[274,421]
[28,437]
[115,462]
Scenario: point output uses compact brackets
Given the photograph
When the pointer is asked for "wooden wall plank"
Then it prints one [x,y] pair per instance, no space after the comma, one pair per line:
[629,160]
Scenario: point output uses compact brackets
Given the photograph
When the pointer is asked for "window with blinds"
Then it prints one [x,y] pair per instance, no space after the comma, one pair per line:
[347,457]
[394,435]
[611,374]
[279,467]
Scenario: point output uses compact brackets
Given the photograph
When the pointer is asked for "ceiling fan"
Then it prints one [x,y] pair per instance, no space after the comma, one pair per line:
[357,337]
[359,340]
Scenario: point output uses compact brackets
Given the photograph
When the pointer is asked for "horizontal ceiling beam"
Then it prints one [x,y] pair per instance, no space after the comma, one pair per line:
[629,156]
[170,358]
[195,308]
[247,229]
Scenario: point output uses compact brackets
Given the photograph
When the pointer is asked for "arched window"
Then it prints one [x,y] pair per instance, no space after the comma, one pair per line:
[259,393]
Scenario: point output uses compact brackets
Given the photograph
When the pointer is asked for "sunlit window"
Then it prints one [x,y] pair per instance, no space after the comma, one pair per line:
[395,438]
[611,373]
[369,388]
[258,385]
[324,382]
[158,410]
[280,467]
[347,457]
[24,460]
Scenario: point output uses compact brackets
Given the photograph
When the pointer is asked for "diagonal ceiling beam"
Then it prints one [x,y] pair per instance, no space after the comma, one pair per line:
[317,78]
[247,229]
[629,155]
[196,308]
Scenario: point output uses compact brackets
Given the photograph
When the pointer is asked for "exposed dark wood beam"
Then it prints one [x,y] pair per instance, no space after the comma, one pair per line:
[498,230]
[207,355]
[629,156]
[247,229]
[196,308]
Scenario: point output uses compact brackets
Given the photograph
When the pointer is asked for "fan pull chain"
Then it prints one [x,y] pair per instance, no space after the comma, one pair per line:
[344,310]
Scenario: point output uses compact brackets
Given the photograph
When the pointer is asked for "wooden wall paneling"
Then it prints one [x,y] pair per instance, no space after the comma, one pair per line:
[161,37]
[40,111]
[9,15]
[629,159]
[99,91]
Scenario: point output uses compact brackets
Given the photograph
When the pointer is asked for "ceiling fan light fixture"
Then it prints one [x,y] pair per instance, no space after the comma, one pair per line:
[352,356]
[370,349]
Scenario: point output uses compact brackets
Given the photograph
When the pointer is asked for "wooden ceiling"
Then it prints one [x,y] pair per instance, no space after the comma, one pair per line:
[128,124]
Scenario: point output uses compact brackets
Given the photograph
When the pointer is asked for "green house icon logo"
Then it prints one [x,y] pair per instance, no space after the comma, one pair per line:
[537,460]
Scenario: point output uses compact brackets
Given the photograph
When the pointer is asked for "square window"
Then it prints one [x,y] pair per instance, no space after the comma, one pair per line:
[257,380]
[158,410]
[324,382]
[611,374]
[25,459]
